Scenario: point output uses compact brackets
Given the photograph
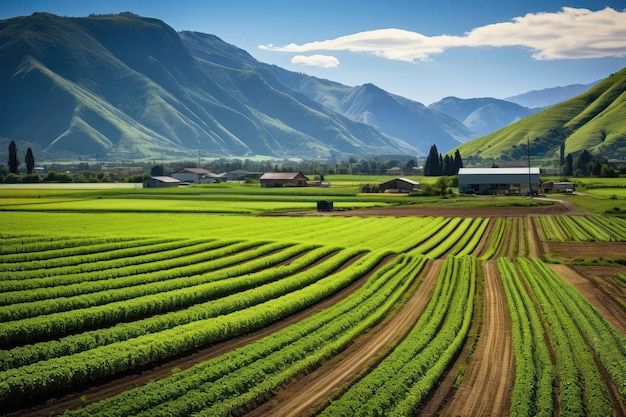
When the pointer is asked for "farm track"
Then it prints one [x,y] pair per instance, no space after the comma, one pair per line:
[488,380]
[114,386]
[308,394]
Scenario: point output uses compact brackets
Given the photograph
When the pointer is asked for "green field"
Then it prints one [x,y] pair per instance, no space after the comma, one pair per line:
[101,283]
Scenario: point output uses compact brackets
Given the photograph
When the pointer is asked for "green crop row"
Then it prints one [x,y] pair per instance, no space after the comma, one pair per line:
[136,250]
[322,336]
[534,374]
[82,272]
[41,378]
[43,247]
[580,387]
[470,240]
[266,284]
[99,293]
[400,383]
[442,234]
[495,239]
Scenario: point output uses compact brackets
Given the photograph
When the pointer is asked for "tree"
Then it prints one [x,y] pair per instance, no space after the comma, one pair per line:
[433,166]
[582,161]
[13,162]
[568,167]
[30,161]
[458,162]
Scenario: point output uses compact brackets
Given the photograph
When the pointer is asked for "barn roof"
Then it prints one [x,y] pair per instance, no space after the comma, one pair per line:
[280,175]
[195,171]
[499,171]
[162,178]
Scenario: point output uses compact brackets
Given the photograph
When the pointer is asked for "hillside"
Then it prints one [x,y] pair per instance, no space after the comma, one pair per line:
[125,87]
[593,120]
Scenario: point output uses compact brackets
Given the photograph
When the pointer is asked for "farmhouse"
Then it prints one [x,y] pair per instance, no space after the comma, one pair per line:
[160,182]
[280,179]
[509,181]
[196,176]
[399,185]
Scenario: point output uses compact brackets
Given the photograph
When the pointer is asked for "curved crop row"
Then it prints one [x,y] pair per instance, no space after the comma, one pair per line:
[263,284]
[238,380]
[495,239]
[534,374]
[399,384]
[96,293]
[608,344]
[41,378]
[580,387]
[436,239]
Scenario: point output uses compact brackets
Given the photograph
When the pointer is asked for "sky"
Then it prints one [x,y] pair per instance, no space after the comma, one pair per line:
[422,50]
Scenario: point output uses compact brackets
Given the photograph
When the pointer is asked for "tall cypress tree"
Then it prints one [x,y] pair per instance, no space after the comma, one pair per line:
[433,162]
[30,161]
[458,162]
[13,162]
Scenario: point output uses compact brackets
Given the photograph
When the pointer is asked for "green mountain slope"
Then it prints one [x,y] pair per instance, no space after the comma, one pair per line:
[594,120]
[124,86]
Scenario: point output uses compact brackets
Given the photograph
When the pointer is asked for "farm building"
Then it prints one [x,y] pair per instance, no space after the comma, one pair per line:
[509,181]
[399,185]
[560,186]
[280,179]
[160,182]
[196,176]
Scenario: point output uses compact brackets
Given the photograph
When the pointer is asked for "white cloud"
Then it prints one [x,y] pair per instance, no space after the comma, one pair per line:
[323,61]
[569,34]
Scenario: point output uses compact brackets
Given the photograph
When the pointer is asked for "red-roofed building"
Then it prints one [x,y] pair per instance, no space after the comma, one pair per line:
[280,179]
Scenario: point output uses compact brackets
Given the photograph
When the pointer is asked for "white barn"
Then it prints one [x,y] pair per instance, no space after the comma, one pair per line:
[509,181]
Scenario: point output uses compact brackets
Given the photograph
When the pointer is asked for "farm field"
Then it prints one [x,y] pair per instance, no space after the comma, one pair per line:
[240,301]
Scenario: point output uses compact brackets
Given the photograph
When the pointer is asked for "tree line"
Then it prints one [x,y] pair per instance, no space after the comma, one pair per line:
[438,165]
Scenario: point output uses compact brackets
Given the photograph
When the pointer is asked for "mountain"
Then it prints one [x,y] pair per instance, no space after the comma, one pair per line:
[547,97]
[482,115]
[593,120]
[414,123]
[126,87]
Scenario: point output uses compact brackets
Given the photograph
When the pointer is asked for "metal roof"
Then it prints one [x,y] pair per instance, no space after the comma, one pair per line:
[165,179]
[280,175]
[499,171]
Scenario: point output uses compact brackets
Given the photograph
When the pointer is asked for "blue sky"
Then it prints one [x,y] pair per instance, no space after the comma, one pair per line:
[423,50]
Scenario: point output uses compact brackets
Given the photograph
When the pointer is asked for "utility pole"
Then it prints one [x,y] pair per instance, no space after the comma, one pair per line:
[530,184]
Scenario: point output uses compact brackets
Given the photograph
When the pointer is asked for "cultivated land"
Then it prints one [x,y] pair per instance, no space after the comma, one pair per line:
[242,301]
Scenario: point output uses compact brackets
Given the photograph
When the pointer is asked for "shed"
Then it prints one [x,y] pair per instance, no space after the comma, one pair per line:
[280,179]
[196,176]
[509,181]
[160,182]
[399,185]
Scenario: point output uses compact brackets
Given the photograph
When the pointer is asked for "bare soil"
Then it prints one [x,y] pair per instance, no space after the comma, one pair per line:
[488,381]
[311,392]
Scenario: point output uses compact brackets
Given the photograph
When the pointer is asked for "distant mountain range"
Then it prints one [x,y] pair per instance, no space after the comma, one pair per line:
[539,99]
[594,120]
[126,87]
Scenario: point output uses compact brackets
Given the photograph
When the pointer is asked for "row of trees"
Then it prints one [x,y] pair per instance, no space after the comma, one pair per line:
[438,165]
[586,164]
[14,162]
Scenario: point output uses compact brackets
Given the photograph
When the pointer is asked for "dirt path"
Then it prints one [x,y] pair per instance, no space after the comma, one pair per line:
[310,393]
[603,294]
[486,386]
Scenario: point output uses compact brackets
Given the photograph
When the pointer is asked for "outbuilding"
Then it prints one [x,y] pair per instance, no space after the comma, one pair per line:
[195,176]
[160,182]
[508,181]
[281,179]
[399,185]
